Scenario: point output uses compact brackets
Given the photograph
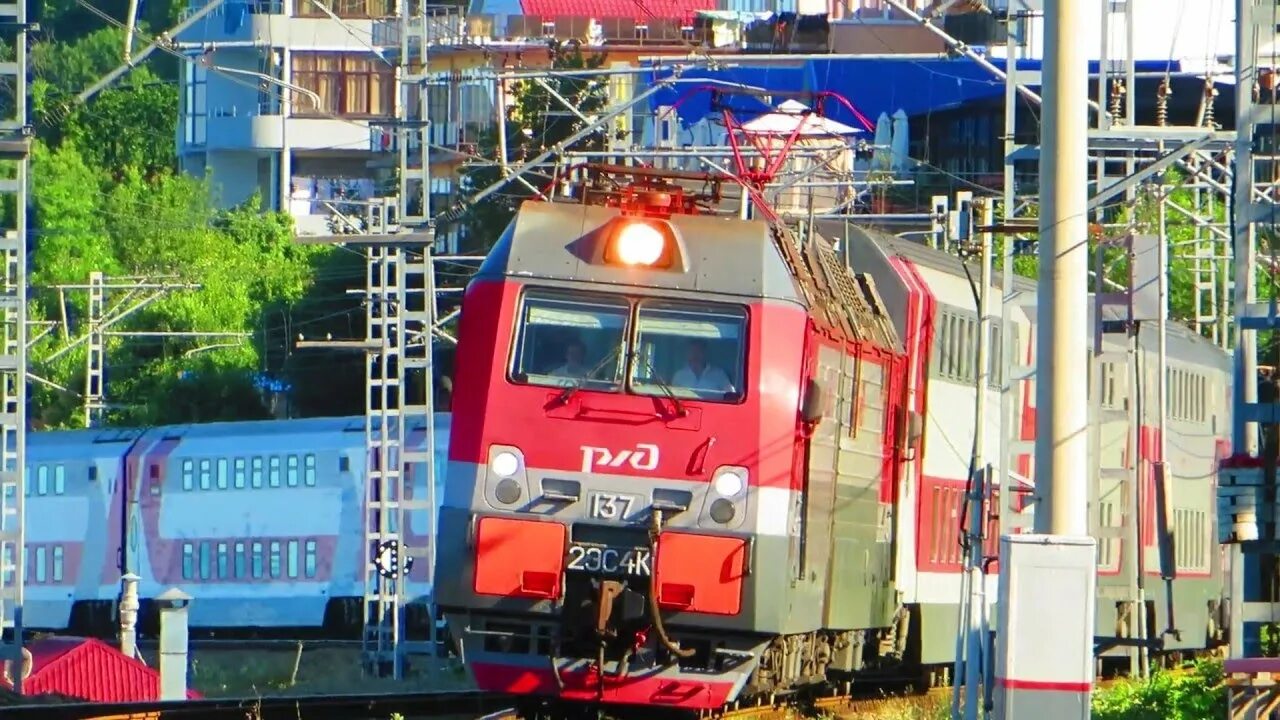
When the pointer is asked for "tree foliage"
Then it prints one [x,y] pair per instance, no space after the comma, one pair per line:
[218,290]
[222,269]
[1184,263]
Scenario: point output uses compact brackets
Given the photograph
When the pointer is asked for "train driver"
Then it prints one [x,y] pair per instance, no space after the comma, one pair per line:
[574,352]
[698,374]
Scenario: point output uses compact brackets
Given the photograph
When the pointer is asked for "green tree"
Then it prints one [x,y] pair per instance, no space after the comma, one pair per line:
[536,122]
[62,69]
[127,128]
[244,260]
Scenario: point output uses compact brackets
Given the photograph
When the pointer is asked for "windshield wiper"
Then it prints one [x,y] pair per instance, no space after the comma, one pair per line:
[657,380]
[568,392]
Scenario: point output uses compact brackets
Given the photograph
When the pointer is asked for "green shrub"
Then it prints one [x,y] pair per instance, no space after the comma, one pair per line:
[1195,694]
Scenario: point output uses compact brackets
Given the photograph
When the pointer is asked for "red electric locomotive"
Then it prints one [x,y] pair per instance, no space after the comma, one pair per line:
[637,440]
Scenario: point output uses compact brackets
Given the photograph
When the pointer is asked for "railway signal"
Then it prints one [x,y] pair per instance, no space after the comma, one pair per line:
[387,560]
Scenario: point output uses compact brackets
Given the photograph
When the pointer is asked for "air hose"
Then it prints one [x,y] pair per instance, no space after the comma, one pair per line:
[655,529]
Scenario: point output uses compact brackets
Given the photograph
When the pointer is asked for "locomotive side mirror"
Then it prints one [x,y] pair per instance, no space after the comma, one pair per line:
[813,407]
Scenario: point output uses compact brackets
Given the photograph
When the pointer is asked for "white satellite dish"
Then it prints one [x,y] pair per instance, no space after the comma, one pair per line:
[27,663]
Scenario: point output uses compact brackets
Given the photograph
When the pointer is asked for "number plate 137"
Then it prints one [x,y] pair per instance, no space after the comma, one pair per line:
[610,506]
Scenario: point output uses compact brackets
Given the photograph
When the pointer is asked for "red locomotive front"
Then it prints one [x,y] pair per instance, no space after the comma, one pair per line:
[622,456]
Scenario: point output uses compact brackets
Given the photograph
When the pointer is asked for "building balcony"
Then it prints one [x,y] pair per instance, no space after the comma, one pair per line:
[264,129]
[298,24]
[451,141]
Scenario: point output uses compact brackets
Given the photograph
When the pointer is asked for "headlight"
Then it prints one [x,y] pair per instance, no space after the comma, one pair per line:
[722,511]
[504,464]
[729,483]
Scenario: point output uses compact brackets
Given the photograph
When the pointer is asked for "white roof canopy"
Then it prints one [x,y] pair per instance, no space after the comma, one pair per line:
[790,115]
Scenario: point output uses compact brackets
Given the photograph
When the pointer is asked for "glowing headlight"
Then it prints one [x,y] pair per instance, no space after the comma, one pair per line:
[639,244]
[504,464]
[729,483]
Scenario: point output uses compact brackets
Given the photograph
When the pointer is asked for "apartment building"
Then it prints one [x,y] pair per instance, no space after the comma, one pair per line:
[292,99]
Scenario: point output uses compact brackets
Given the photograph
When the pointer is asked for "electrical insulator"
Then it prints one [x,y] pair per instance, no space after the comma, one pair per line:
[1117,96]
[1210,94]
[1162,102]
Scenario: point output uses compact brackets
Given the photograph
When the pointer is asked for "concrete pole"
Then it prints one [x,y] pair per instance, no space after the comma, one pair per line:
[130,25]
[173,605]
[129,615]
[1062,330]
[284,163]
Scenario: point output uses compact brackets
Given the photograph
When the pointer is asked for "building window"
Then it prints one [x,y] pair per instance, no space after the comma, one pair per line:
[347,84]
[195,113]
[347,9]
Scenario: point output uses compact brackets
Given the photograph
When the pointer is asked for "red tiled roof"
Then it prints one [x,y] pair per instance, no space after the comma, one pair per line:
[639,10]
[90,670]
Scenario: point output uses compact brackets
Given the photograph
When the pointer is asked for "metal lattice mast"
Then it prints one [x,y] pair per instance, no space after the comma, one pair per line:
[384,440]
[15,150]
[95,358]
[400,378]
[1017,369]
[418,287]
[1254,19]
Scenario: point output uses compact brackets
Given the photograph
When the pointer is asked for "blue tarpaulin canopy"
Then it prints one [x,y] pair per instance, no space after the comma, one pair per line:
[873,85]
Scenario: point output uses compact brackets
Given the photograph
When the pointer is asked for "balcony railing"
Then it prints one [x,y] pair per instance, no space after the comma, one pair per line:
[618,30]
[264,108]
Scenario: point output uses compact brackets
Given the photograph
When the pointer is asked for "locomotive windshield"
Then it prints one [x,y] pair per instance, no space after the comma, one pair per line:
[572,342]
[694,351]
[686,350]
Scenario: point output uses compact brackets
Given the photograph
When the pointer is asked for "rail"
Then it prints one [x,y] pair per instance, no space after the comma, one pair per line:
[469,704]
